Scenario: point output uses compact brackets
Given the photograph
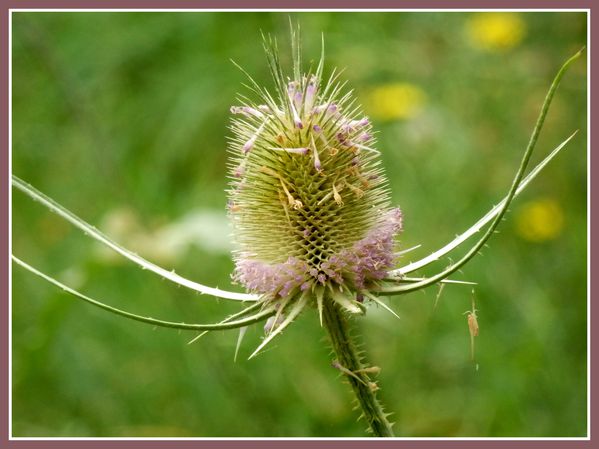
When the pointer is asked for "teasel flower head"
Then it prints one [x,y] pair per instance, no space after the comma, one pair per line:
[308,197]
[312,221]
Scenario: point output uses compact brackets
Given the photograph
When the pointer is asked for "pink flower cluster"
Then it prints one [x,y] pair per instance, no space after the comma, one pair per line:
[278,279]
[368,259]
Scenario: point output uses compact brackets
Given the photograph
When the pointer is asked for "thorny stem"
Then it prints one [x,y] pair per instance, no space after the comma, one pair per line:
[349,359]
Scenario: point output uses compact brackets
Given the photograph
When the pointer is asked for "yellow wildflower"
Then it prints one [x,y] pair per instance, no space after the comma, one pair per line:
[540,220]
[395,101]
[496,31]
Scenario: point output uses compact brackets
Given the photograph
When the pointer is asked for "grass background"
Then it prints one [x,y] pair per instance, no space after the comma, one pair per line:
[122,117]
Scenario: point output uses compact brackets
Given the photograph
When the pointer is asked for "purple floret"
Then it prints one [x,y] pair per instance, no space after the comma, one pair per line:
[278,279]
[367,260]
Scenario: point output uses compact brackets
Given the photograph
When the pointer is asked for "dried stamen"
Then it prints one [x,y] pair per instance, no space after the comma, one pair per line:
[336,196]
[296,204]
[359,192]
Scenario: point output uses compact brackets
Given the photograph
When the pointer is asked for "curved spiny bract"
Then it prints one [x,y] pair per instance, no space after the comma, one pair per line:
[229,323]
[308,197]
[94,233]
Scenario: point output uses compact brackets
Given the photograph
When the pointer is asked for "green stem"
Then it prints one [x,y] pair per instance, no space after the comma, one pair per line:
[350,363]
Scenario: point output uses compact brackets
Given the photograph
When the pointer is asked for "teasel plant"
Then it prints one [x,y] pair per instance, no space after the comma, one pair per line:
[313,224]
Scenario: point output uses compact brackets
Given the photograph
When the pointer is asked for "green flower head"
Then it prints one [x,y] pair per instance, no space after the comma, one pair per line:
[309,199]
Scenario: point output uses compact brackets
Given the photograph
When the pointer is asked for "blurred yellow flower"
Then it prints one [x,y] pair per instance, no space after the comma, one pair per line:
[395,101]
[496,31]
[540,220]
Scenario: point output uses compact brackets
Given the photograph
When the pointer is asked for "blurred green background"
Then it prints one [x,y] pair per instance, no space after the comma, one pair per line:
[122,117]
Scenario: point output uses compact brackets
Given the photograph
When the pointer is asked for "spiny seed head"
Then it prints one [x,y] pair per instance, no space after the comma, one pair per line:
[309,199]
